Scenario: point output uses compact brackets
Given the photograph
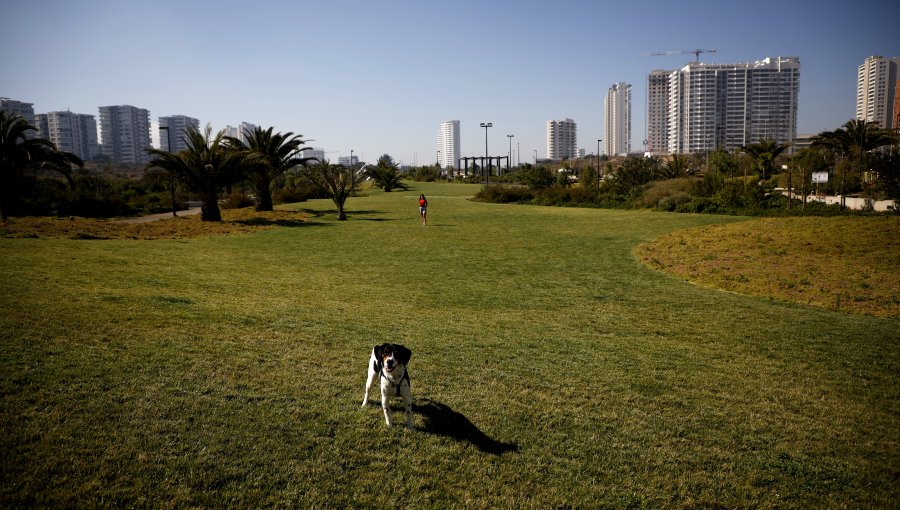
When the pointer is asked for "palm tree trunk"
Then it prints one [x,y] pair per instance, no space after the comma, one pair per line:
[209,209]
[263,196]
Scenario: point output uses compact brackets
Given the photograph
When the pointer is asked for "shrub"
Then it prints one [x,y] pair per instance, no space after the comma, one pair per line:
[237,201]
[671,202]
[504,194]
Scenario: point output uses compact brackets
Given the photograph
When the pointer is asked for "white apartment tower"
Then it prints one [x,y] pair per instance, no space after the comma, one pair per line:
[657,135]
[70,132]
[562,139]
[125,134]
[173,132]
[876,85]
[725,105]
[448,145]
[239,132]
[617,107]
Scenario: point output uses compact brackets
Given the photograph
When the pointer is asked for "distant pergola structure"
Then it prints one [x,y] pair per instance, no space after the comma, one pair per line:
[481,160]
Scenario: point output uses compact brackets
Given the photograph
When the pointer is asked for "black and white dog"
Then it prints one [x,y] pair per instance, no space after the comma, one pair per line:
[388,363]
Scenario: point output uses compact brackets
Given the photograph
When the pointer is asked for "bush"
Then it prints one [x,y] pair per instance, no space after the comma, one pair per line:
[237,201]
[673,201]
[505,194]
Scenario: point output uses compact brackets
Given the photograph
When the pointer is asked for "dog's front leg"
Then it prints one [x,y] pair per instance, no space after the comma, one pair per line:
[368,386]
[384,405]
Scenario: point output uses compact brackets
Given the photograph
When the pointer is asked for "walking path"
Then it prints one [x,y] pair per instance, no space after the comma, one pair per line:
[162,216]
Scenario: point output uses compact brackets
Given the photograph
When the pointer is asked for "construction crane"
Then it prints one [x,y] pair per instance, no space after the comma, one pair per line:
[683,52]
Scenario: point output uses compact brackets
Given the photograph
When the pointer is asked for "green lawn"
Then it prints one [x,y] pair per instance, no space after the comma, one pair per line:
[549,369]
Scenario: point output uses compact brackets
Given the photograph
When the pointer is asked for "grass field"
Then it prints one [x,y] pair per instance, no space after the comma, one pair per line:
[550,369]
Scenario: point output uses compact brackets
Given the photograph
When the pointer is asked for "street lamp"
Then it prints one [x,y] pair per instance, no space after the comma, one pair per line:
[487,173]
[350,165]
[171,175]
[509,156]
[598,160]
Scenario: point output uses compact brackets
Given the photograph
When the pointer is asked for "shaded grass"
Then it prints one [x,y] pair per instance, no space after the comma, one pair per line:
[850,264]
[550,369]
[234,221]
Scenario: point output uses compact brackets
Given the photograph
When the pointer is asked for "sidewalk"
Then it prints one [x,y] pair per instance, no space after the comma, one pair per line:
[162,216]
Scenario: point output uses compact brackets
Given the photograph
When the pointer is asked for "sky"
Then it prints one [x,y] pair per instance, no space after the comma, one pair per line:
[379,77]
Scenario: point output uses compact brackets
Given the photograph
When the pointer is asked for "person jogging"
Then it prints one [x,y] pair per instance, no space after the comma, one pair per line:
[423,209]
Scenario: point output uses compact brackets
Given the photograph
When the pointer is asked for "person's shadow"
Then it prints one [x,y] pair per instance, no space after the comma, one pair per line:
[441,420]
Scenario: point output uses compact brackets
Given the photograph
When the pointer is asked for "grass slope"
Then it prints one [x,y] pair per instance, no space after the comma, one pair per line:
[843,263]
[550,369]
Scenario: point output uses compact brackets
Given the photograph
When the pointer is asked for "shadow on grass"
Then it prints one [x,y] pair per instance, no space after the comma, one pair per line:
[318,213]
[265,222]
[441,420]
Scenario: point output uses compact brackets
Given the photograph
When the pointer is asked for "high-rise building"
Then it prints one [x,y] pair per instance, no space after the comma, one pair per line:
[125,134]
[876,89]
[448,144]
[70,132]
[562,139]
[897,107]
[617,140]
[728,105]
[657,135]
[348,160]
[240,131]
[26,110]
[174,129]
[314,152]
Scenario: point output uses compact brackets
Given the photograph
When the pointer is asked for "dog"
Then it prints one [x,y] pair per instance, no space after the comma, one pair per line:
[389,364]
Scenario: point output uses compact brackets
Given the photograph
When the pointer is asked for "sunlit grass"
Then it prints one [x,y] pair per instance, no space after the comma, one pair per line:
[550,368]
[843,263]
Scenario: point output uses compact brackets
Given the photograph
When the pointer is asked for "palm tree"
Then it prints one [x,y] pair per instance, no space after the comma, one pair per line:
[854,139]
[18,152]
[205,167]
[764,153]
[675,166]
[336,181]
[266,156]
[386,174]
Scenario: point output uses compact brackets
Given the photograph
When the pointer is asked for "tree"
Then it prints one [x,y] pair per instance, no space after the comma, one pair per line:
[887,166]
[764,153]
[537,177]
[265,157]
[807,161]
[589,177]
[634,172]
[386,174]
[205,167]
[675,166]
[336,181]
[854,139]
[19,153]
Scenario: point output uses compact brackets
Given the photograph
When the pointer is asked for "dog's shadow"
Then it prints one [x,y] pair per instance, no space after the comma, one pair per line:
[441,420]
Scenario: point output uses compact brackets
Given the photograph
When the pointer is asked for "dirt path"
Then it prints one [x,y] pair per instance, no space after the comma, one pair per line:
[162,216]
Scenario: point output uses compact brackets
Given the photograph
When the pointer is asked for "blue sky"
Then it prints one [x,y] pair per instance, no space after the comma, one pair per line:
[380,77]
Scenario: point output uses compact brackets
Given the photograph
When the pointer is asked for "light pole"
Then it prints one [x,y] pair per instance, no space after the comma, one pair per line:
[509,156]
[171,175]
[487,173]
[598,160]
[351,160]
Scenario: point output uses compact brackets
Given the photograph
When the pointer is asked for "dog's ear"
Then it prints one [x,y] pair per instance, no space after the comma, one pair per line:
[402,353]
[378,350]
